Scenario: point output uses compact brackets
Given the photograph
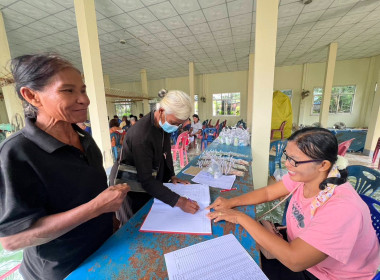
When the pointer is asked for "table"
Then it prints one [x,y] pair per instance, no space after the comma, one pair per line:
[130,254]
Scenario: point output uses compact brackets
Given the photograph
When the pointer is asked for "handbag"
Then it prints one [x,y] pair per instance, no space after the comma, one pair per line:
[269,226]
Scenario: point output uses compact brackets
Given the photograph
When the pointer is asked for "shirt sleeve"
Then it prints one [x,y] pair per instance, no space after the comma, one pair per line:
[21,193]
[334,229]
[143,158]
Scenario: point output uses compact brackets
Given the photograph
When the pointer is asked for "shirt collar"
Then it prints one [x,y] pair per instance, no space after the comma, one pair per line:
[42,139]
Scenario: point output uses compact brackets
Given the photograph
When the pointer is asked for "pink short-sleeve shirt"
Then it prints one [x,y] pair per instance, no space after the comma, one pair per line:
[341,228]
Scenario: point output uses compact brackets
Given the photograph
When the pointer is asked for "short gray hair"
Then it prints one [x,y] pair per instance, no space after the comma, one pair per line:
[176,102]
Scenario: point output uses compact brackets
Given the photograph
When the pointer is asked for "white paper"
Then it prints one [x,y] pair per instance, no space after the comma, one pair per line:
[164,218]
[222,258]
[223,182]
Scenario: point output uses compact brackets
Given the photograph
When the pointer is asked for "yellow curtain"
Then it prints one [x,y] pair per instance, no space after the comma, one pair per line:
[281,111]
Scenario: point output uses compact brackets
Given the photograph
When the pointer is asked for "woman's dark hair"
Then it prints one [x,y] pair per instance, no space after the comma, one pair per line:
[319,143]
[114,123]
[35,72]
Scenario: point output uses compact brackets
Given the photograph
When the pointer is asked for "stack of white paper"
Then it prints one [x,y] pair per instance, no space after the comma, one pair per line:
[164,218]
[222,258]
[223,182]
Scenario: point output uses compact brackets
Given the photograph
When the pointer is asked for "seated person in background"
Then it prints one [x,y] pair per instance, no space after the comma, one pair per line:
[133,120]
[329,228]
[196,129]
[186,125]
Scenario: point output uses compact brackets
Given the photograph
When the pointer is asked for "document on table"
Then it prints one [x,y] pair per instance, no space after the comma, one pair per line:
[223,182]
[222,258]
[164,218]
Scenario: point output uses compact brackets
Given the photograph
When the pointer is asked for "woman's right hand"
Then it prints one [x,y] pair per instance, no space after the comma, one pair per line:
[111,198]
[187,205]
[221,203]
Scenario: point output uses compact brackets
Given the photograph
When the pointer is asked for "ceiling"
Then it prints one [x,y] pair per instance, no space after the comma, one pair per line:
[218,35]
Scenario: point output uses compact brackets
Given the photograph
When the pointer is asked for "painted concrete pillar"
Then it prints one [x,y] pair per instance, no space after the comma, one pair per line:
[111,109]
[144,88]
[92,66]
[250,90]
[263,78]
[374,122]
[327,87]
[302,107]
[192,83]
[12,103]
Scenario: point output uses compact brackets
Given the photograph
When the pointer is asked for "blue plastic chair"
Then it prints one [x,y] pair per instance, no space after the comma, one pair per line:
[377,276]
[174,136]
[364,179]
[273,160]
[208,135]
[115,150]
[375,212]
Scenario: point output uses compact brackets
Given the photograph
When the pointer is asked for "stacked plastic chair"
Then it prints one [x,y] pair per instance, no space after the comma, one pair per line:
[365,180]
[208,135]
[273,160]
[344,146]
[181,148]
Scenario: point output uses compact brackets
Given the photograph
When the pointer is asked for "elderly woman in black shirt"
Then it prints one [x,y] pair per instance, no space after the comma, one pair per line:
[147,147]
[54,200]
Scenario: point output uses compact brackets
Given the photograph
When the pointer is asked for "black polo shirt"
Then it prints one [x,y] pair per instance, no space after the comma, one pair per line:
[42,176]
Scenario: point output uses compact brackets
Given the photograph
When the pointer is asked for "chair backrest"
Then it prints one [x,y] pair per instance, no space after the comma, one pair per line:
[204,124]
[365,180]
[174,136]
[217,123]
[280,147]
[209,134]
[375,212]
[209,123]
[344,146]
[181,140]
[282,126]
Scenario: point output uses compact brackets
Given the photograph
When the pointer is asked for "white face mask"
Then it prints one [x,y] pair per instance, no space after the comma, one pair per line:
[167,127]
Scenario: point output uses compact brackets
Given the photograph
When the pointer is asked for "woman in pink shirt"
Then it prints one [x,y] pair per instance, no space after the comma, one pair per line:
[329,229]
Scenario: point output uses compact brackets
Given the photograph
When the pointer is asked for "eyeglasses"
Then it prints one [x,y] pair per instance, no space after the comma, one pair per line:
[295,163]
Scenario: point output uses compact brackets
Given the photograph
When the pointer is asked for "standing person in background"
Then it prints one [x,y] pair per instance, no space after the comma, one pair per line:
[123,122]
[133,120]
[54,200]
[118,120]
[141,115]
[147,150]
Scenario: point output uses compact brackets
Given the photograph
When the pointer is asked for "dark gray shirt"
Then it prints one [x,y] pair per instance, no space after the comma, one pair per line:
[41,176]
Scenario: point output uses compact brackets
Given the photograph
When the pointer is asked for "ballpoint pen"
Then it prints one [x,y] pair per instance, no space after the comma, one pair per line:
[232,189]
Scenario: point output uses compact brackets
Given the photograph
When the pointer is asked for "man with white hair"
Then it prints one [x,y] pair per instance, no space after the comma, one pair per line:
[147,155]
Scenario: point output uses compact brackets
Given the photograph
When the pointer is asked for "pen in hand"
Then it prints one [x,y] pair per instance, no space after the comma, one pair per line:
[232,189]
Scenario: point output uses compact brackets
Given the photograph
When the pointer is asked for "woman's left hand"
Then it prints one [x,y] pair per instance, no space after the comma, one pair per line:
[176,180]
[228,215]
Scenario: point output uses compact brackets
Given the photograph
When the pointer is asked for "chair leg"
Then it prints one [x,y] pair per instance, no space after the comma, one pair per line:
[181,158]
[175,155]
[271,134]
